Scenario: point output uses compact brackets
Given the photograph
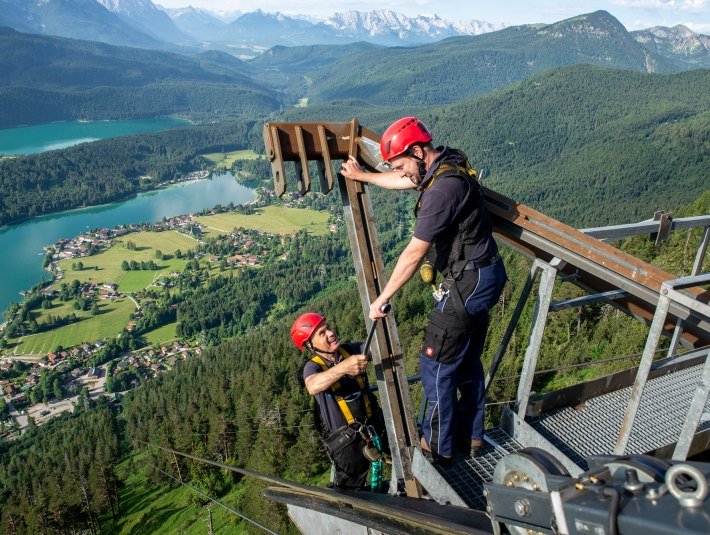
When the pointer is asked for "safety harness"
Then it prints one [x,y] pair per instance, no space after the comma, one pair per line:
[451,256]
[340,400]
[373,447]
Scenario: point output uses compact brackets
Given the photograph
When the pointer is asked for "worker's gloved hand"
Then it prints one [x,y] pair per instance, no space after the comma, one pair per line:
[354,365]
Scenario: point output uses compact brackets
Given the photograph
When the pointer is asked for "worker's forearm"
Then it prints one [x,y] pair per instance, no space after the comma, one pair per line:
[319,382]
[407,264]
[388,180]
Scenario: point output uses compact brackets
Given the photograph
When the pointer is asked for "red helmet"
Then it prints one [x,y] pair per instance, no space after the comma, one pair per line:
[304,326]
[401,135]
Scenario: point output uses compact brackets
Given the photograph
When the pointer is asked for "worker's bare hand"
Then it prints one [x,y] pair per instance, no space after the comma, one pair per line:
[352,170]
[355,364]
[376,308]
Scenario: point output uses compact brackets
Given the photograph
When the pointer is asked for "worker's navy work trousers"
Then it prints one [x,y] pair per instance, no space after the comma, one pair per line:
[450,361]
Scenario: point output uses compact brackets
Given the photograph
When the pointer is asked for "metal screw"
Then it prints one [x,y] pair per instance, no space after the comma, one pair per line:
[509,483]
[489,508]
[522,507]
[526,478]
[516,477]
[485,492]
[536,487]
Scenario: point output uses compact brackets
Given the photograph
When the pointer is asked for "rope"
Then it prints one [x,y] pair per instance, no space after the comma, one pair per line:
[198,491]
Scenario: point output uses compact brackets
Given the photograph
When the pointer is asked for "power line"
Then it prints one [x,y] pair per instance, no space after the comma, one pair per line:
[198,491]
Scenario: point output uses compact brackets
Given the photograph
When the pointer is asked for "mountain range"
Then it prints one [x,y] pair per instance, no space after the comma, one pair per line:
[73,74]
[143,24]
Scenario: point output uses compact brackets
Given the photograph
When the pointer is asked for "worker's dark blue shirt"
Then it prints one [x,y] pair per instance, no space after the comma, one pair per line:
[442,210]
[330,413]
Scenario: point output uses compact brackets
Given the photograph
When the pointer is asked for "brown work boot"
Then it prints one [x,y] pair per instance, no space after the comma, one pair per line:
[434,458]
[476,447]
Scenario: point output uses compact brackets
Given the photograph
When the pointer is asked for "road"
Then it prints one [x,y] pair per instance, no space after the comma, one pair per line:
[54,408]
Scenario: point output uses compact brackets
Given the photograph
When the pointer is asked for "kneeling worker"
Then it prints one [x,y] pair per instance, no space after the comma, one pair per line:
[335,375]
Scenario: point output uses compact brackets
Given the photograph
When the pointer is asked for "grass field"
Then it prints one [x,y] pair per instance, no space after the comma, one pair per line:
[226,159]
[113,316]
[166,333]
[148,508]
[276,219]
[106,266]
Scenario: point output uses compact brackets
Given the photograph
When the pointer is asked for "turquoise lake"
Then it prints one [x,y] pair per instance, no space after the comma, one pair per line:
[21,244]
[52,136]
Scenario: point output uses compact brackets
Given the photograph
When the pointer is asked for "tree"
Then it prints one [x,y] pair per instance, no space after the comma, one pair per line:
[159,254]
[95,309]
[57,388]
[125,266]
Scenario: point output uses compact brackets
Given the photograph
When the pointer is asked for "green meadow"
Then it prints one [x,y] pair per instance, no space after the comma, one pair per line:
[113,316]
[275,219]
[106,265]
[227,159]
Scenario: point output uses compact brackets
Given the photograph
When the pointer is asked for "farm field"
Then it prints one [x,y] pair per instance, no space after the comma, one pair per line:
[276,219]
[113,316]
[106,266]
[166,333]
[226,159]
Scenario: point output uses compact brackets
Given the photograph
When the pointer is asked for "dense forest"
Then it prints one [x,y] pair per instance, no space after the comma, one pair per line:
[643,138]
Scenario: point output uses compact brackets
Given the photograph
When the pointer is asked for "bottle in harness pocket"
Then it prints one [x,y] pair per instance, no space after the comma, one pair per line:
[450,252]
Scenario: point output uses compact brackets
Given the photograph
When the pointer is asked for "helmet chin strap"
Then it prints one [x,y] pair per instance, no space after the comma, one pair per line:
[422,167]
[313,350]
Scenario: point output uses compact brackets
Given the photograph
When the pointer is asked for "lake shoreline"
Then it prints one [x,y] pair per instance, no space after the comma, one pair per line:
[124,198]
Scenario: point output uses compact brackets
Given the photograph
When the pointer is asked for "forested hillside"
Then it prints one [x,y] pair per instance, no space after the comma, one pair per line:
[44,79]
[631,143]
[463,67]
[243,401]
[110,169]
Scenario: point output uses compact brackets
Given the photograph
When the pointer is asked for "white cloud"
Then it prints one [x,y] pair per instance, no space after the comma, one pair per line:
[702,27]
[693,6]
[648,4]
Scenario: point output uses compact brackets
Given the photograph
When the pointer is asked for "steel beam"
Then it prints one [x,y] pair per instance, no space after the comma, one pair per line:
[618,232]
[654,336]
[542,307]
[588,300]
[599,266]
[502,348]
[697,266]
[697,408]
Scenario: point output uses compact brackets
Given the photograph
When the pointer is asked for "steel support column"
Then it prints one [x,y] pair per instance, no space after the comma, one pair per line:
[386,351]
[649,351]
[542,306]
[697,266]
[697,407]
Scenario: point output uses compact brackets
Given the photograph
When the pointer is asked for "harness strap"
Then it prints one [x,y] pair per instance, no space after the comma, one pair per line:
[340,400]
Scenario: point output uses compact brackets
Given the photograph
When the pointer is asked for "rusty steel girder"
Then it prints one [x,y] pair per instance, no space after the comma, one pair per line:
[596,266]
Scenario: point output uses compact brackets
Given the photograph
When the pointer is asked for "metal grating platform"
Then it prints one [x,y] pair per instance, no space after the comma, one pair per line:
[594,427]
[467,476]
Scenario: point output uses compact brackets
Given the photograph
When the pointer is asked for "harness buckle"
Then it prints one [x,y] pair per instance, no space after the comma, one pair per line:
[441,292]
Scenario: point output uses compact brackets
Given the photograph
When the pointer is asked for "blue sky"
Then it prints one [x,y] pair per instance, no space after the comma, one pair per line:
[634,14]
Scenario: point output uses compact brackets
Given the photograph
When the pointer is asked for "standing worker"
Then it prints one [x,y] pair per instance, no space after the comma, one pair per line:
[453,231]
[345,410]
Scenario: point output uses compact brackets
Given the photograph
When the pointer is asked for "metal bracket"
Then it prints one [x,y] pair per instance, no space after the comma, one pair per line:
[665,224]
